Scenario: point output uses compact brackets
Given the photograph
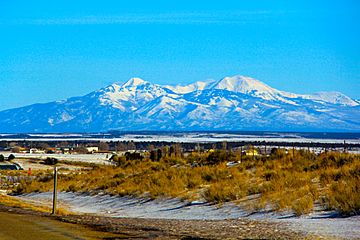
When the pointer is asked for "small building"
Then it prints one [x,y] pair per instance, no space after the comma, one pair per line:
[92,149]
[36,151]
[64,150]
[251,152]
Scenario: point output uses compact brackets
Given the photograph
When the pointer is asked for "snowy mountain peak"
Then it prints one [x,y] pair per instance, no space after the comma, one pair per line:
[134,82]
[253,87]
[131,95]
[242,84]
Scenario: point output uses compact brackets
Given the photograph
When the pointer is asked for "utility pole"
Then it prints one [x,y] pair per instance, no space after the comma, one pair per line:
[55,192]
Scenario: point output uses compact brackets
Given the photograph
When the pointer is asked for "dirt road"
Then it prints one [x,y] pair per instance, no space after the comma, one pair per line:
[19,226]
[24,224]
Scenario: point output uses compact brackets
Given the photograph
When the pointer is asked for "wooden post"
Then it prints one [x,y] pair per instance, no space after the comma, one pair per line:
[241,153]
[55,192]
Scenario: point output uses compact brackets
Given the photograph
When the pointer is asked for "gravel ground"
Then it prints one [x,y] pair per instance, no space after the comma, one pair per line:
[189,229]
[171,211]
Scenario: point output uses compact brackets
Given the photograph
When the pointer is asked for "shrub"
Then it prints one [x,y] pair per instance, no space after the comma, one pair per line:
[133,156]
[270,175]
[114,158]
[11,157]
[277,153]
[51,161]
[303,205]
[224,191]
[15,149]
[118,160]
[335,159]
[218,156]
[344,196]
[2,158]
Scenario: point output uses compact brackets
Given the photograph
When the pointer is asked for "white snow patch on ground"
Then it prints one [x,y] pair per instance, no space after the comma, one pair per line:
[191,137]
[96,158]
[319,223]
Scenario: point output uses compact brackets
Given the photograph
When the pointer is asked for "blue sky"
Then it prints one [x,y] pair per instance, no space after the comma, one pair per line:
[51,50]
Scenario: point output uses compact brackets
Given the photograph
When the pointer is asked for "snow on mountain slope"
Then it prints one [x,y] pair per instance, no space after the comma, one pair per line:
[256,88]
[243,85]
[197,86]
[232,103]
[163,105]
[251,87]
[333,97]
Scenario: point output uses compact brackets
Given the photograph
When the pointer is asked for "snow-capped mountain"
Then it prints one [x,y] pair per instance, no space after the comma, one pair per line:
[232,103]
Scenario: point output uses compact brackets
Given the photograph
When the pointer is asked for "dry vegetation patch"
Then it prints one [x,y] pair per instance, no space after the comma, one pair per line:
[283,181]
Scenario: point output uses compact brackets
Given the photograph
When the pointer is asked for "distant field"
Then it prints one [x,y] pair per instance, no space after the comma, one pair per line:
[193,137]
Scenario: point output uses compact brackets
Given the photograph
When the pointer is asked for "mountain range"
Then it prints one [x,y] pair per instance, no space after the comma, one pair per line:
[232,103]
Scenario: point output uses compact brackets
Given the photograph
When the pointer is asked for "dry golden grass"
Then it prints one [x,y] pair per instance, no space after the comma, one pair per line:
[282,181]
[15,202]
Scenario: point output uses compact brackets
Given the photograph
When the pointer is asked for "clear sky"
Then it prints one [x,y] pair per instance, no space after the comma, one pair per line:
[51,50]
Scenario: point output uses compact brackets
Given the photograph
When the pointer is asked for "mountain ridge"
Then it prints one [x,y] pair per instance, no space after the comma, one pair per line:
[231,103]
